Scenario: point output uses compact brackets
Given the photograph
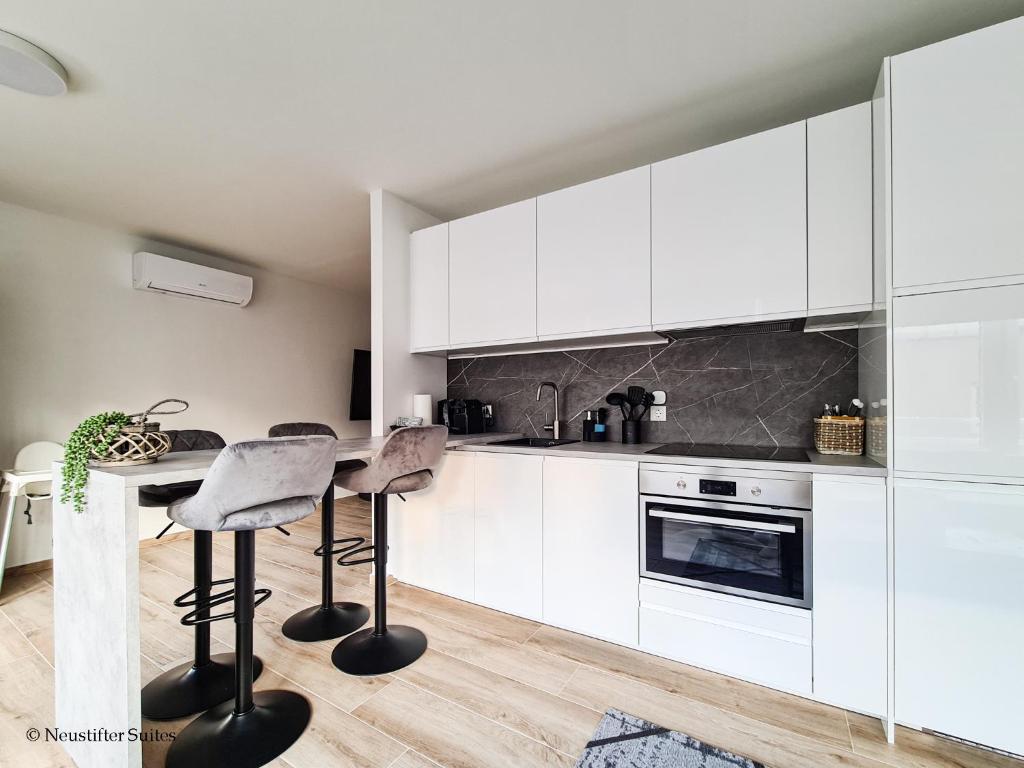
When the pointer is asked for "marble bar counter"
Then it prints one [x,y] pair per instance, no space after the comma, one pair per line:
[96,601]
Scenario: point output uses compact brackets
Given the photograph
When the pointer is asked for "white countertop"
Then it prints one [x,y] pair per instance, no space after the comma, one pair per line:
[193,465]
[820,464]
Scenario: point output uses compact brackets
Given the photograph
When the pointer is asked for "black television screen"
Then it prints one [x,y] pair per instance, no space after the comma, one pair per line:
[359,404]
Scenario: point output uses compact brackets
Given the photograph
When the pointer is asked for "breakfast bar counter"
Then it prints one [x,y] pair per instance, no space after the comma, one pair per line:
[96,601]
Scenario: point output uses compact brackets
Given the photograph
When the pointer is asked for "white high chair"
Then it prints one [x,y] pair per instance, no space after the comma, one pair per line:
[32,478]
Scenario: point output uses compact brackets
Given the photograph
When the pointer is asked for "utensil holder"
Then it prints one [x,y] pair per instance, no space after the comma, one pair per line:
[630,432]
[839,435]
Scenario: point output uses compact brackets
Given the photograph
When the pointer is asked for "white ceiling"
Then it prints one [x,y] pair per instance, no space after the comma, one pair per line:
[255,128]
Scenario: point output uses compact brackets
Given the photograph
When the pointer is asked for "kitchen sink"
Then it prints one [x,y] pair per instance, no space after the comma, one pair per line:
[533,442]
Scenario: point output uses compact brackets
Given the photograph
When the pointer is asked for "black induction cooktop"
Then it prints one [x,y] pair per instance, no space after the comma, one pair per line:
[750,452]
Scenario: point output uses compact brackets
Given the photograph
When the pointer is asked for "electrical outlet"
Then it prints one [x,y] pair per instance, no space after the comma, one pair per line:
[659,413]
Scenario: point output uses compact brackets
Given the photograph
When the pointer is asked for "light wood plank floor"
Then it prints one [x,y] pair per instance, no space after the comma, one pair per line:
[493,690]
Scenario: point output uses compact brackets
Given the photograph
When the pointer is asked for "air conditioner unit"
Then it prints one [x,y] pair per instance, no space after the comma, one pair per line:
[152,272]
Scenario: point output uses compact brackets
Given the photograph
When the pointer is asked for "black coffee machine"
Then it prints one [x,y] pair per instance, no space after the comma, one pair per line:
[464,417]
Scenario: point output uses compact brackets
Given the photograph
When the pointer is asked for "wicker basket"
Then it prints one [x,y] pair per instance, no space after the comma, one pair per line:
[839,435]
[140,442]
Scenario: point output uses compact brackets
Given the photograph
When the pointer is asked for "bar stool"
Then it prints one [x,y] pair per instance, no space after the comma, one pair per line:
[329,619]
[252,485]
[403,464]
[207,680]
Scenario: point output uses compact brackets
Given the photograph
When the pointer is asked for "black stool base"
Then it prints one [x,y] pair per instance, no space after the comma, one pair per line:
[365,653]
[187,689]
[222,739]
[319,623]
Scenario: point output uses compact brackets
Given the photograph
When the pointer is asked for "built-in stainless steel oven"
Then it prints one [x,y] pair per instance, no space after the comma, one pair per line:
[734,531]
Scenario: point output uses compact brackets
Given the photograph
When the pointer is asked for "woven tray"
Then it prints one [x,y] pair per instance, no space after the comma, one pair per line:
[839,435]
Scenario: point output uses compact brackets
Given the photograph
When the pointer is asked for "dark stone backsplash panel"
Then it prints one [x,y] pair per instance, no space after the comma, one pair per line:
[757,389]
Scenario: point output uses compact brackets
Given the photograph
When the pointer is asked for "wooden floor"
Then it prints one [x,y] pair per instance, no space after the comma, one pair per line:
[492,690]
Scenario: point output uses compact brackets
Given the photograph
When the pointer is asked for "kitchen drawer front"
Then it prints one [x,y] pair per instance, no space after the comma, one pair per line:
[958,404]
[757,615]
[751,653]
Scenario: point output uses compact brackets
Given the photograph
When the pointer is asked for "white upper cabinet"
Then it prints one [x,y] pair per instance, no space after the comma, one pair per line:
[958,392]
[958,158]
[839,229]
[428,288]
[492,259]
[729,231]
[594,257]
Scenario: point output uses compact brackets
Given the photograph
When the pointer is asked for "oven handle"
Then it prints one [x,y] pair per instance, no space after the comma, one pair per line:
[726,521]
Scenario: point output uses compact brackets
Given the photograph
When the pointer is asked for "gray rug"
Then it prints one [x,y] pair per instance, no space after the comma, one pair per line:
[624,741]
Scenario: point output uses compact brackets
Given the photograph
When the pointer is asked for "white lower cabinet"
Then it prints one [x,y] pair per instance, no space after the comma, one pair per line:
[430,535]
[508,533]
[959,627]
[761,642]
[591,547]
[849,592]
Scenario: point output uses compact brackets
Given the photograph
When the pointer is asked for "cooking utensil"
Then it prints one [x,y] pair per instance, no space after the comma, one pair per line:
[619,399]
[635,398]
[648,401]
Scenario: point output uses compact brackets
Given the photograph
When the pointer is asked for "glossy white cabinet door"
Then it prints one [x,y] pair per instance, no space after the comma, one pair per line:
[431,533]
[959,560]
[849,553]
[729,231]
[492,260]
[591,547]
[839,269]
[428,286]
[958,377]
[509,511]
[958,158]
[594,256]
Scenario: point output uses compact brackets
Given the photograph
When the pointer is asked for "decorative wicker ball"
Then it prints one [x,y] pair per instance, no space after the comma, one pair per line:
[135,444]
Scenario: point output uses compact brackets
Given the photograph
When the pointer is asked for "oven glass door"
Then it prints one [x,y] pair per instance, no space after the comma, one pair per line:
[728,549]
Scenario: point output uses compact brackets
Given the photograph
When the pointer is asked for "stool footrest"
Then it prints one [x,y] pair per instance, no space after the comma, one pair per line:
[189,599]
[352,544]
[190,619]
[343,560]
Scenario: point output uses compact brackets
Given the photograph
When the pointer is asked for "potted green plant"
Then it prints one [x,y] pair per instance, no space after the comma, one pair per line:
[95,434]
[112,439]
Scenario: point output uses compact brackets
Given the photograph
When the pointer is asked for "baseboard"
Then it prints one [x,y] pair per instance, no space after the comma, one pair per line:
[144,543]
[40,565]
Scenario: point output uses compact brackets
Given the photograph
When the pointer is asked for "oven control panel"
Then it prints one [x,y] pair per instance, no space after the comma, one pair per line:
[718,487]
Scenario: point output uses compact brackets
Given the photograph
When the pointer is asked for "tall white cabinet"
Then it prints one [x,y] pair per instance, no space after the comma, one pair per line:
[839,228]
[594,257]
[958,158]
[729,231]
[960,609]
[492,259]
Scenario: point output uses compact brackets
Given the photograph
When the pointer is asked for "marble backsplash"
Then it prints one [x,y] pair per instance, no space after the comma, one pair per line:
[755,389]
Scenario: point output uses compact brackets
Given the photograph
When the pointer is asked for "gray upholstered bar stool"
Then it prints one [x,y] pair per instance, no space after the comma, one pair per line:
[329,619]
[207,680]
[404,464]
[251,485]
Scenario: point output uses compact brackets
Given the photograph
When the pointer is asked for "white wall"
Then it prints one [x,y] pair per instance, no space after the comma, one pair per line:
[77,339]
[397,374]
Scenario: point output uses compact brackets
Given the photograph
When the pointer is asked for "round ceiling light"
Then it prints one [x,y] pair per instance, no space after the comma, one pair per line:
[26,67]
